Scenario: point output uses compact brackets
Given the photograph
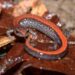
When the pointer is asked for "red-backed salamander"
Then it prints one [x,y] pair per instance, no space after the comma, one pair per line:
[46,27]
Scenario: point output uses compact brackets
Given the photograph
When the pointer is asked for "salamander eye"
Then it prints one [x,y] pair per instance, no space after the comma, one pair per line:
[19,32]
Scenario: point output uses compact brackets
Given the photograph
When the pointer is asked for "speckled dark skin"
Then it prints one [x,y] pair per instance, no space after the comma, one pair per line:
[49,29]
